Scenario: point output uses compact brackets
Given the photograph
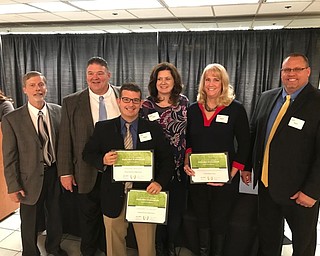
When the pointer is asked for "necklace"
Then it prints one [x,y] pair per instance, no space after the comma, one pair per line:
[208,108]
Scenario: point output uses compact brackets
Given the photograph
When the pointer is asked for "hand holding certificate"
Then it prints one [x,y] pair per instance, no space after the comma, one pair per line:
[144,207]
[210,168]
[133,165]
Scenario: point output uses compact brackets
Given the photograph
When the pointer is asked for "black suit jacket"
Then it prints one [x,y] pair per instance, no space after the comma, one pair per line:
[294,159]
[107,136]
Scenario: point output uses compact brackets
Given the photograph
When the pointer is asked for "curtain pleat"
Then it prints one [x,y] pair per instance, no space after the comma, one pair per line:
[252,58]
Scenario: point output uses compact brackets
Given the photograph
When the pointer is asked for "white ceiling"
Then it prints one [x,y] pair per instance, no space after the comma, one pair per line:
[116,16]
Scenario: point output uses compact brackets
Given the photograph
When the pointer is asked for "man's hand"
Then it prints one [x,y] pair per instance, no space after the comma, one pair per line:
[16,196]
[303,199]
[110,158]
[154,188]
[246,177]
[68,182]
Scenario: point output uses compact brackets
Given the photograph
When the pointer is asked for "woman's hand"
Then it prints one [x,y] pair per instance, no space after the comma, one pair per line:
[188,170]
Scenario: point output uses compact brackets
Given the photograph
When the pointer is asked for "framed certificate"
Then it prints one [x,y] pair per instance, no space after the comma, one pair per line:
[146,208]
[133,165]
[210,167]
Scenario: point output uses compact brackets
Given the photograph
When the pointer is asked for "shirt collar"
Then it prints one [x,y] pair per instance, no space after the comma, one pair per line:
[96,96]
[35,111]
[294,95]
[134,125]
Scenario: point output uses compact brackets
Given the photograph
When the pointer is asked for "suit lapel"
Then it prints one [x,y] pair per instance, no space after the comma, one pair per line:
[27,122]
[85,108]
[303,96]
[53,124]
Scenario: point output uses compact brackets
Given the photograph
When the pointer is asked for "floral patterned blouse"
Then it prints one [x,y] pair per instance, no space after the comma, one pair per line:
[173,120]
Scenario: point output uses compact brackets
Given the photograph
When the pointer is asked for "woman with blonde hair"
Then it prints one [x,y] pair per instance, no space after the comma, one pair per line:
[215,122]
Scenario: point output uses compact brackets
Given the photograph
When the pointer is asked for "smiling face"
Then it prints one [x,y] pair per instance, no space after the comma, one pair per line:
[212,85]
[294,80]
[98,78]
[130,110]
[165,83]
[36,90]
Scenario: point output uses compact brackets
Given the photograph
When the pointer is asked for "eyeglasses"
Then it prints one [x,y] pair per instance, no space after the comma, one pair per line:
[295,70]
[134,101]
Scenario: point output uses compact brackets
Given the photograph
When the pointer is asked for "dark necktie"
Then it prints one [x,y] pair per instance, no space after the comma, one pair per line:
[102,109]
[45,139]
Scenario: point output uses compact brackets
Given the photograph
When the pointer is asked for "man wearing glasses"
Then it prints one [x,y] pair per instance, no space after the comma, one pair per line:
[111,135]
[286,160]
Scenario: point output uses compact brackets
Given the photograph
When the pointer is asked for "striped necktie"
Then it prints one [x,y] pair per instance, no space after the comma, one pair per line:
[265,166]
[45,139]
[128,142]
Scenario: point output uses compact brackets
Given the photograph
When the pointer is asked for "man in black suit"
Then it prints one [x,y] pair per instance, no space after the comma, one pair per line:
[290,188]
[30,165]
[80,112]
[100,152]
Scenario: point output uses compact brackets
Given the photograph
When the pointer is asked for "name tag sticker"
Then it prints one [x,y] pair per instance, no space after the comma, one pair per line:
[296,123]
[145,136]
[154,116]
[222,119]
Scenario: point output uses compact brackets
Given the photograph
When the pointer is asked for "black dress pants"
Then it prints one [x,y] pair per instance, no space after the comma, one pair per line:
[301,220]
[48,203]
[91,221]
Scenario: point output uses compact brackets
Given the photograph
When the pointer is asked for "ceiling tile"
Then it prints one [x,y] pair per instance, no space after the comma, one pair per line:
[272,8]
[80,16]
[43,17]
[192,11]
[151,13]
[113,15]
[235,10]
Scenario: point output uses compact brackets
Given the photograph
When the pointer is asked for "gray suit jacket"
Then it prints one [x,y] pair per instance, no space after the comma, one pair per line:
[22,151]
[75,130]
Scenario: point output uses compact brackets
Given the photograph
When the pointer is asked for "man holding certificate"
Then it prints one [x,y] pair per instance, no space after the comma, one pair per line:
[215,122]
[109,149]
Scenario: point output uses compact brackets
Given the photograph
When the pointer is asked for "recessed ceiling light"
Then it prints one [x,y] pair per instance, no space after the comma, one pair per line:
[18,8]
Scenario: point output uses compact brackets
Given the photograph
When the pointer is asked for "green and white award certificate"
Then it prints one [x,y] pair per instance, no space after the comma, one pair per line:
[133,165]
[144,207]
[210,167]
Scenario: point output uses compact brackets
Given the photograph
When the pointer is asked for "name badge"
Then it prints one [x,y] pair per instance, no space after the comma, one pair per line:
[154,116]
[145,136]
[296,123]
[222,119]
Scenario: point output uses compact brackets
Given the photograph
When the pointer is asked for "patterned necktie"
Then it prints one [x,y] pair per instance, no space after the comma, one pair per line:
[102,109]
[265,166]
[128,142]
[45,139]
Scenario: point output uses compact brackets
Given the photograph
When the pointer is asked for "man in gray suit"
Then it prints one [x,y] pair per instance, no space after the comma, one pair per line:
[30,165]
[80,112]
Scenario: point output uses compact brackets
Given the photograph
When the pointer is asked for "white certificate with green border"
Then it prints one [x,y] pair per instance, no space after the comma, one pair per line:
[147,208]
[133,165]
[210,167]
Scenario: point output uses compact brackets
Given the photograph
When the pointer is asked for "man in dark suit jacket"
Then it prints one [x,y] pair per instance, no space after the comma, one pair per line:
[30,180]
[100,153]
[292,190]
[80,112]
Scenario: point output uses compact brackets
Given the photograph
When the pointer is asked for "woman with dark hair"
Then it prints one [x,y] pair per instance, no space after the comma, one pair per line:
[215,122]
[168,107]
[5,105]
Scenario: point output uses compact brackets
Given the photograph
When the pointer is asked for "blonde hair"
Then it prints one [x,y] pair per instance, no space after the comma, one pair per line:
[227,93]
